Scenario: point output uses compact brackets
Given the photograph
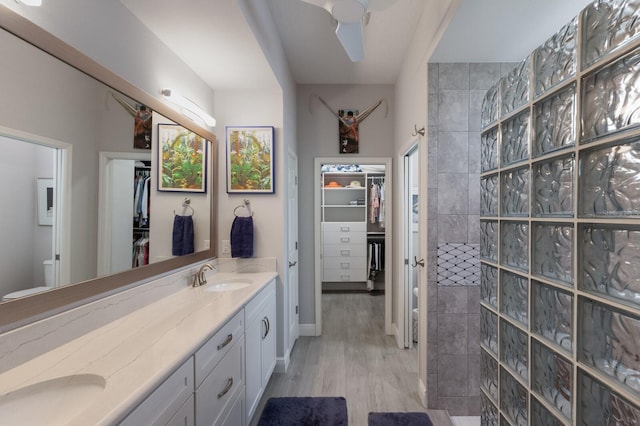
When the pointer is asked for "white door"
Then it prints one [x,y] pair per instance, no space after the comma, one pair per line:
[411,249]
[292,232]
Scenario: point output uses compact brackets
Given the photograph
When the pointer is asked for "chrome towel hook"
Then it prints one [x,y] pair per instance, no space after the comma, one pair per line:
[245,204]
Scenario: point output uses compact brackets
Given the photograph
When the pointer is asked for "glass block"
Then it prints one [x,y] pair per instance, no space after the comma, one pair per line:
[489,284]
[552,314]
[489,195]
[489,412]
[514,192]
[553,187]
[609,262]
[552,251]
[489,240]
[489,150]
[514,245]
[514,88]
[610,181]
[514,291]
[489,111]
[611,98]
[552,377]
[489,329]
[555,60]
[599,405]
[514,146]
[513,399]
[540,416]
[489,374]
[554,122]
[607,27]
[609,340]
[514,349]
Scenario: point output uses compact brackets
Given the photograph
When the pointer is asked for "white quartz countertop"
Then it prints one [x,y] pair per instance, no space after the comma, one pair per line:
[137,352]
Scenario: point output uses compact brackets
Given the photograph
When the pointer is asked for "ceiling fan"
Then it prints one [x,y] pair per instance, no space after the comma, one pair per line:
[351,15]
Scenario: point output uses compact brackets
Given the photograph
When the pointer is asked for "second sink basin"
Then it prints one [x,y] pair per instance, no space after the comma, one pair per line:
[52,402]
[227,285]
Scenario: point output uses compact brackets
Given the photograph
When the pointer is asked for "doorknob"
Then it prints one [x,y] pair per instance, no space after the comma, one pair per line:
[292,264]
[417,262]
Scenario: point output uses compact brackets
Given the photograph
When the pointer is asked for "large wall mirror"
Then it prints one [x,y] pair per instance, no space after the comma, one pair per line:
[82,212]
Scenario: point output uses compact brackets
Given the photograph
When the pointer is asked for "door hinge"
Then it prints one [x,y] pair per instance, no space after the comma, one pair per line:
[57,257]
[297,309]
[296,245]
[406,261]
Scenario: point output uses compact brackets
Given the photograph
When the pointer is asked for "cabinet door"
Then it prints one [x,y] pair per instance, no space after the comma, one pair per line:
[268,340]
[253,365]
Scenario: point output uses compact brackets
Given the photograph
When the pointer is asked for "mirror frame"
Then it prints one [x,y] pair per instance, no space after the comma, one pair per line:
[23,311]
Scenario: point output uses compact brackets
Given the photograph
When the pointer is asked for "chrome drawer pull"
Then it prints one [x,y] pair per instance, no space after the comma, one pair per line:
[345,239]
[345,252]
[226,342]
[226,388]
[345,265]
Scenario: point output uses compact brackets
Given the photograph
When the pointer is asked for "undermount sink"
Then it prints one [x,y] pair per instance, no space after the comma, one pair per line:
[52,402]
[228,285]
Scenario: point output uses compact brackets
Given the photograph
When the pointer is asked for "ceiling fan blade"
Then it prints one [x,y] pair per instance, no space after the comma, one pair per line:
[378,4]
[325,4]
[352,39]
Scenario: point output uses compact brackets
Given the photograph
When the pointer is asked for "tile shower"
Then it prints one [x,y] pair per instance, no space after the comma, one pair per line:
[560,229]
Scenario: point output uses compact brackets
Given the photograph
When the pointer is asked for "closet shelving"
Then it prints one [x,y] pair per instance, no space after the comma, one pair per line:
[344,227]
[141,221]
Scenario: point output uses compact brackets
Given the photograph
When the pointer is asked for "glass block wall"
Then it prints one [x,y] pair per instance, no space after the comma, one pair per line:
[560,228]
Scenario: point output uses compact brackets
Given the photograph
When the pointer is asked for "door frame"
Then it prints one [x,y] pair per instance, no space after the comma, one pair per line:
[405,313]
[105,189]
[62,217]
[388,221]
[292,329]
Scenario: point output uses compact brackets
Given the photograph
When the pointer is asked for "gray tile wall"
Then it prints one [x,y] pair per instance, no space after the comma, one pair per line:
[456,91]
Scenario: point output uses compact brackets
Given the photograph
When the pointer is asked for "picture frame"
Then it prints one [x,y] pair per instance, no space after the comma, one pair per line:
[45,201]
[182,159]
[249,158]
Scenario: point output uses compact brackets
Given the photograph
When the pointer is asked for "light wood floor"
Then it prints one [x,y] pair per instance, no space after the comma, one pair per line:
[355,359]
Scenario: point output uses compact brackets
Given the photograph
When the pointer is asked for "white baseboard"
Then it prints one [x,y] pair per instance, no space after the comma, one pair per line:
[282,364]
[422,392]
[307,330]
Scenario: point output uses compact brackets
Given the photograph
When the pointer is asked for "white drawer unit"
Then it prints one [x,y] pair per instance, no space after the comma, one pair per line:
[344,252]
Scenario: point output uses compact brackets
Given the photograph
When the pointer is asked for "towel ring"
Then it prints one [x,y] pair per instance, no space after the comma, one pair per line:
[186,204]
[246,205]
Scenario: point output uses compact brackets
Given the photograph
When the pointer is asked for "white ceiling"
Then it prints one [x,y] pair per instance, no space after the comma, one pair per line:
[214,39]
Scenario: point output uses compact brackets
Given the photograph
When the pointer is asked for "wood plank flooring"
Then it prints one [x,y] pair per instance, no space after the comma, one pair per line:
[355,359]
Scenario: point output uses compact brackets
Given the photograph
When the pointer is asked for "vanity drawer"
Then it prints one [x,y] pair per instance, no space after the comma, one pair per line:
[221,386]
[167,400]
[217,346]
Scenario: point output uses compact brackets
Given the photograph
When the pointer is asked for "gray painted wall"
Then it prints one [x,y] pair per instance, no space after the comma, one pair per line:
[318,137]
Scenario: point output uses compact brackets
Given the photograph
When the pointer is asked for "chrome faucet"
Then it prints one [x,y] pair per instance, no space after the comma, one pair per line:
[199,278]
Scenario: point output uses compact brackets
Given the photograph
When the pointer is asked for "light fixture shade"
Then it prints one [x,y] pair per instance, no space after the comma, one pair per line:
[30,2]
[188,108]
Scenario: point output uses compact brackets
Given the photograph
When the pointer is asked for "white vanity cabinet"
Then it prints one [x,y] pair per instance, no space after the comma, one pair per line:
[171,403]
[260,338]
[219,374]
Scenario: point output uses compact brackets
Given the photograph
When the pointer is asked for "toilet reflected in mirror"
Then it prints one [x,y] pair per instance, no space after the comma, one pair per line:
[48,284]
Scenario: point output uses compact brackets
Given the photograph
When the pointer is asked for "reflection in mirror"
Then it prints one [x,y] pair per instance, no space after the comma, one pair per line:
[58,123]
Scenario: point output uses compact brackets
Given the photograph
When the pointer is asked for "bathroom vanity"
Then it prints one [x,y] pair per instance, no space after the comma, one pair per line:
[197,356]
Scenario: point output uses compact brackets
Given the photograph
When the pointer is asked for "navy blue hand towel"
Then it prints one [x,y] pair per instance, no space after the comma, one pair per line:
[242,237]
[182,235]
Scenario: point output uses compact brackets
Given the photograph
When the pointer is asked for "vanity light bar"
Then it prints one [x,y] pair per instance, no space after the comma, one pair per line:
[188,108]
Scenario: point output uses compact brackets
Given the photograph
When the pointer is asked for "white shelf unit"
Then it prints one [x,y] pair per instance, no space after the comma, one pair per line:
[344,227]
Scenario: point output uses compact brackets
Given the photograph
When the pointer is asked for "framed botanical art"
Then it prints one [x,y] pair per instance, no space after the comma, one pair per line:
[182,156]
[250,159]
